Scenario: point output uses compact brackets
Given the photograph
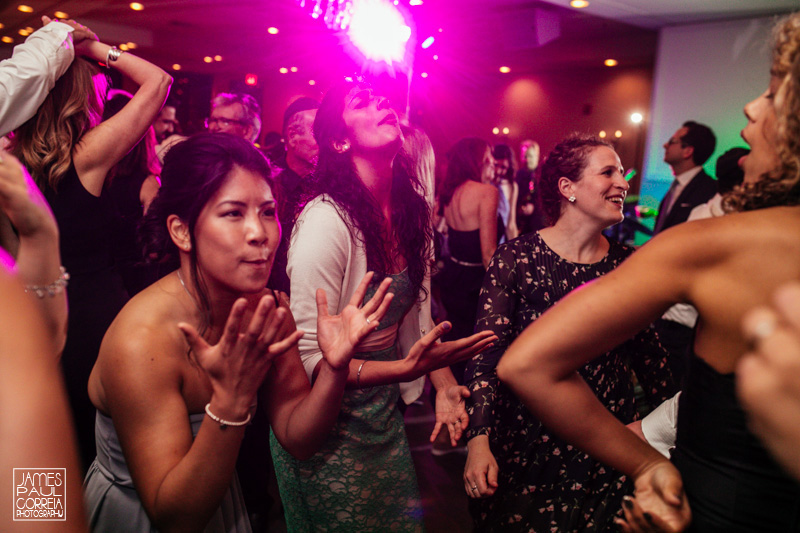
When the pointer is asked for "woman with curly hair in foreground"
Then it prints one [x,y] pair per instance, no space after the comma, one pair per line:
[719,468]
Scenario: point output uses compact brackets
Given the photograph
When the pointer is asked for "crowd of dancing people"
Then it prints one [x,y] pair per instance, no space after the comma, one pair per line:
[181,313]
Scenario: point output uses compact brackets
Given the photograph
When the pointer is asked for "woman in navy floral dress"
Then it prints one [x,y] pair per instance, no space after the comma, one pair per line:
[519,475]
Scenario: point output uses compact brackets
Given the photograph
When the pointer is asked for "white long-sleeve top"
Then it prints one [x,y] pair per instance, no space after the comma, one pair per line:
[31,73]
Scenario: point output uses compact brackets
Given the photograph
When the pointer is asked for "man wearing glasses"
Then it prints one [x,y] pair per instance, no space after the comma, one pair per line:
[235,113]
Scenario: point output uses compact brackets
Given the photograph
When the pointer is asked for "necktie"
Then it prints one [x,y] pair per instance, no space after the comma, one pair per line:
[666,206]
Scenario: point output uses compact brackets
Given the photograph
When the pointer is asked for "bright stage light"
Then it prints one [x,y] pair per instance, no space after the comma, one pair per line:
[636,118]
[379,31]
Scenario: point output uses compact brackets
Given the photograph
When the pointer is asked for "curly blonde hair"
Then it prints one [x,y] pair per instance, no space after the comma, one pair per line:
[782,185]
[44,143]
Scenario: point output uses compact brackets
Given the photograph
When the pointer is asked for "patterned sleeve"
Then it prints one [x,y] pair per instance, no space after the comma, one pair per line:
[496,310]
[649,361]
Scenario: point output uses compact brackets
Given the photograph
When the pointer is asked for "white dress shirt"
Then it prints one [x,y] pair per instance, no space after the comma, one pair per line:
[31,73]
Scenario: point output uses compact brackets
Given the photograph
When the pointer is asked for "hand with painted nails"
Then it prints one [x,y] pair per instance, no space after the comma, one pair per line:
[659,503]
[339,335]
[768,377]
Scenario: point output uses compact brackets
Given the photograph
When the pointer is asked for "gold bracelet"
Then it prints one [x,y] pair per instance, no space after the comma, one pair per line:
[225,423]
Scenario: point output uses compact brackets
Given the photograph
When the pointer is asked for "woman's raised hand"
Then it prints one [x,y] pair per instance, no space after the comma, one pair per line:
[339,335]
[239,362]
[22,200]
[427,355]
[659,503]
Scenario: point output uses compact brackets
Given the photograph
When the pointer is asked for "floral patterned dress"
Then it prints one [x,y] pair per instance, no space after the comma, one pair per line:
[546,484]
[363,478]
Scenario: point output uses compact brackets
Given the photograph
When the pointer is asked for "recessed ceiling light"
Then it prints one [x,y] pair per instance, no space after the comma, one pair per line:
[217,57]
[136,6]
[435,57]
[208,59]
[60,15]
[2,26]
[579,4]
[176,66]
[283,70]
[24,8]
[272,30]
[602,134]
[424,74]
[132,46]
[610,62]
[24,32]
[7,39]
[505,70]
[617,134]
[637,118]
[123,47]
[312,82]
[293,69]
[496,130]
[505,131]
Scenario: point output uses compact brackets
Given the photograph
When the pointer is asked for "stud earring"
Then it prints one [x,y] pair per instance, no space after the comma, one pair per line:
[345,147]
[571,199]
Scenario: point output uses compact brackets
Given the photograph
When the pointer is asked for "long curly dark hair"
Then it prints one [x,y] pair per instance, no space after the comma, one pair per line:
[194,170]
[337,179]
[781,186]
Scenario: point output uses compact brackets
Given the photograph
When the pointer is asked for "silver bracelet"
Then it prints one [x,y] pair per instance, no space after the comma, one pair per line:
[225,423]
[113,55]
[57,287]
[358,374]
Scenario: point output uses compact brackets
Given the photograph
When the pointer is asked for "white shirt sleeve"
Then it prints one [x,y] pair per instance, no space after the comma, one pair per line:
[661,426]
[31,73]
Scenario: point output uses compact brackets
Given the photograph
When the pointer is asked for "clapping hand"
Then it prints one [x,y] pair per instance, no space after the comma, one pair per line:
[427,355]
[339,335]
[239,362]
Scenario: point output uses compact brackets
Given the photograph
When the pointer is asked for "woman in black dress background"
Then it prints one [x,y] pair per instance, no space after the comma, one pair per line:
[520,476]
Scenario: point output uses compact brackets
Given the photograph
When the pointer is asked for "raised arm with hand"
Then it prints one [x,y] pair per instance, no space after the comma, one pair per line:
[103,146]
[38,256]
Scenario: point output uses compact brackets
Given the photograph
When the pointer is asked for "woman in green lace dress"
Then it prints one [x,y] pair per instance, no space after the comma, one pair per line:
[367,213]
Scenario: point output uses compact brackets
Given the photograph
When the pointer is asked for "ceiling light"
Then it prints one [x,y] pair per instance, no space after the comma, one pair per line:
[123,47]
[7,39]
[415,2]
[176,66]
[217,57]
[312,82]
[2,26]
[617,134]
[637,118]
[505,70]
[496,130]
[610,62]
[602,134]
[505,131]
[272,30]
[293,69]
[283,70]
[424,74]
[132,46]
[579,4]
[24,32]
[427,42]
[435,57]
[208,59]
[60,15]
[136,6]
[25,9]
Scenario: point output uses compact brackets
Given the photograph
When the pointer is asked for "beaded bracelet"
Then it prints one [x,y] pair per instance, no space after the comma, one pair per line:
[225,423]
[57,287]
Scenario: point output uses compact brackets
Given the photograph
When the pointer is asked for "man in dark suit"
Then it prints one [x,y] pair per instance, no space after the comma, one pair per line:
[685,152]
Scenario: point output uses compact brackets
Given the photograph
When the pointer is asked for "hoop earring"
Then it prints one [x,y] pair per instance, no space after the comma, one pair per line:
[571,199]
